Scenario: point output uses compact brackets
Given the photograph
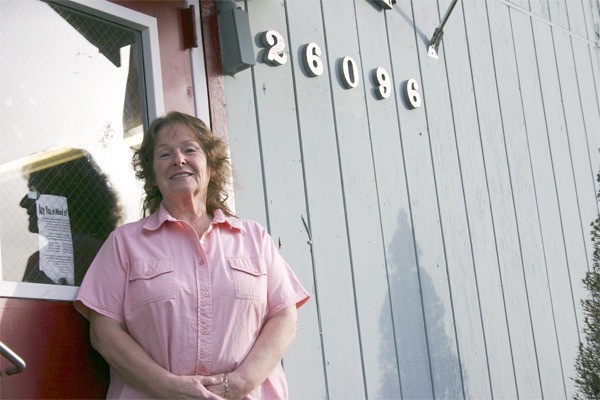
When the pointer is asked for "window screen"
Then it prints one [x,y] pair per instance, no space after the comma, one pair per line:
[72,106]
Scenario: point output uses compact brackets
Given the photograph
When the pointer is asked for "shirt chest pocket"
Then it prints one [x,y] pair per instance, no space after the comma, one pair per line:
[150,281]
[249,277]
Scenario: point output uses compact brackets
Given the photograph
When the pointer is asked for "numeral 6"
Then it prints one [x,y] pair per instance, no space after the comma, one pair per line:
[411,92]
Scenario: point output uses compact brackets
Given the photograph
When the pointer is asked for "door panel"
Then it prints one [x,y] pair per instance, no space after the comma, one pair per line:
[53,340]
[51,337]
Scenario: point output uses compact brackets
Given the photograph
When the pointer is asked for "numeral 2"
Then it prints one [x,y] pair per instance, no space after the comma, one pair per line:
[275,44]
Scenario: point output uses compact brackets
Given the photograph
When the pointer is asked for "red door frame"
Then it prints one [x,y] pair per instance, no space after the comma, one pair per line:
[214,68]
[60,361]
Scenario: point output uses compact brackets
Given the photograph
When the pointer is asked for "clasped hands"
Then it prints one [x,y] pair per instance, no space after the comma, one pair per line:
[228,386]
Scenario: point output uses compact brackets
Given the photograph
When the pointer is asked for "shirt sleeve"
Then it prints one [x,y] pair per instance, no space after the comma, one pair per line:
[283,287]
[103,288]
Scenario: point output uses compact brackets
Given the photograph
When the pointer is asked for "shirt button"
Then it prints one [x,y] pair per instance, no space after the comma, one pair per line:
[205,293]
[201,262]
[202,370]
[205,331]
[147,273]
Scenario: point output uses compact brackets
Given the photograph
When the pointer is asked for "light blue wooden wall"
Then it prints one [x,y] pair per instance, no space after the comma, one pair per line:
[444,246]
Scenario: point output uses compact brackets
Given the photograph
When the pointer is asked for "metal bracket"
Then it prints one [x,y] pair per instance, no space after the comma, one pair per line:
[436,39]
[434,43]
[386,4]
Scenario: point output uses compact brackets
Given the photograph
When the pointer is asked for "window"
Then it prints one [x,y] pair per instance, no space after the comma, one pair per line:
[78,86]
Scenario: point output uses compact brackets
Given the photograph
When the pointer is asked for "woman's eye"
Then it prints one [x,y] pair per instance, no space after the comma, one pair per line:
[191,150]
[163,155]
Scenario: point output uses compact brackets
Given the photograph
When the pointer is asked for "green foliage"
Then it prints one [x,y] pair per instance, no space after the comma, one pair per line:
[587,364]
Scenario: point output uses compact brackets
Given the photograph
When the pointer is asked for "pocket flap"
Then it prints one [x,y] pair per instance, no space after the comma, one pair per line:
[250,265]
[148,269]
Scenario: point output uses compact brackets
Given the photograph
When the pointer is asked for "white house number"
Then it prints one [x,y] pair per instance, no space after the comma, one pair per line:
[274,44]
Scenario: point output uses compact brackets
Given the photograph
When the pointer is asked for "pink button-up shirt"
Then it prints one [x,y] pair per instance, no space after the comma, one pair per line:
[195,305]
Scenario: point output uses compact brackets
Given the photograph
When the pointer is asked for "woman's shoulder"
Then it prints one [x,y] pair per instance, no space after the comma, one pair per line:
[245,224]
[129,227]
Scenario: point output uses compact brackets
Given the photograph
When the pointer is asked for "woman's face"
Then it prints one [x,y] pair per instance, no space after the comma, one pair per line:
[180,166]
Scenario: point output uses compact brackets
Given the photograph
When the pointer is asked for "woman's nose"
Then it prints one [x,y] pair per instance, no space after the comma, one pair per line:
[178,158]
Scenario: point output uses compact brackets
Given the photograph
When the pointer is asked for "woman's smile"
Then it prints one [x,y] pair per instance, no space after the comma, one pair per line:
[181,175]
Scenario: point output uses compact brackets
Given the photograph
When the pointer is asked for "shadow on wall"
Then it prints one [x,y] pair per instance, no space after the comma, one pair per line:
[420,350]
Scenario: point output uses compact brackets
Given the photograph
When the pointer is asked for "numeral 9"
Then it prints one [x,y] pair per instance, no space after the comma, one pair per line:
[384,83]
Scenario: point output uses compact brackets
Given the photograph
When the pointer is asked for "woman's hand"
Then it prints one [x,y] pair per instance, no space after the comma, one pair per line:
[274,339]
[111,339]
[230,387]
[198,387]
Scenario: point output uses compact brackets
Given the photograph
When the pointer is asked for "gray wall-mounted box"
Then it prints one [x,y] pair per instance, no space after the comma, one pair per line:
[237,52]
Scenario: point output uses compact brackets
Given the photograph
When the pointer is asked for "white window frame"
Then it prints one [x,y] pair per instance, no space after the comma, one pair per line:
[148,28]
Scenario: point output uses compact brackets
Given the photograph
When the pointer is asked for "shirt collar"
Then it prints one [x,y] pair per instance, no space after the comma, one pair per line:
[154,221]
[220,218]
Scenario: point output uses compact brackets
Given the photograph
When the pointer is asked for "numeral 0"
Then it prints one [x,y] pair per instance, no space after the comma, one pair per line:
[349,72]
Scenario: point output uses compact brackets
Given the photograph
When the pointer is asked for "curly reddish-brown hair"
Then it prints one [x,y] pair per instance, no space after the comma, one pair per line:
[217,159]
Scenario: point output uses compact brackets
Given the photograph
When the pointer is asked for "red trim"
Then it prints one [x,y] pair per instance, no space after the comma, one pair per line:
[214,69]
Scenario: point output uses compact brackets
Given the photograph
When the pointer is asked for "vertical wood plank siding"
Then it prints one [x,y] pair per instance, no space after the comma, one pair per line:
[444,245]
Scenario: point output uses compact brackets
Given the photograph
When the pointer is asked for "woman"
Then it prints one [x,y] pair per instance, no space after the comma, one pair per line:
[190,302]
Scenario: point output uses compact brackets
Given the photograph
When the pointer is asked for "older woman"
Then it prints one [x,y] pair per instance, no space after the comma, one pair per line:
[190,301]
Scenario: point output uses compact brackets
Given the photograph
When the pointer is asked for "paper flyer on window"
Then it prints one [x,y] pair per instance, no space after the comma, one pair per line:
[56,245]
